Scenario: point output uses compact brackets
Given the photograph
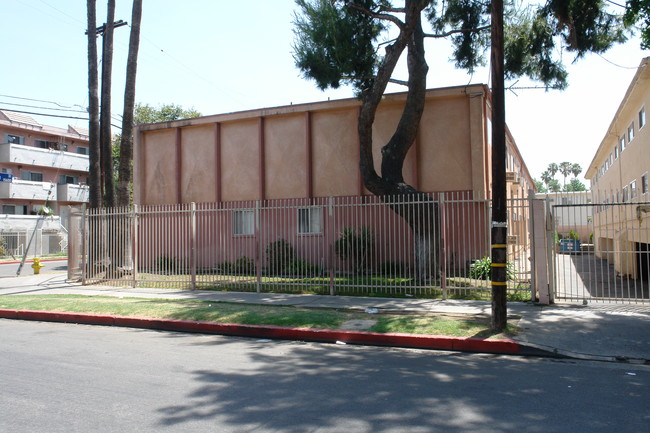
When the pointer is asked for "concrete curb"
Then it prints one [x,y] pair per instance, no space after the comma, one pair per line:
[413,341]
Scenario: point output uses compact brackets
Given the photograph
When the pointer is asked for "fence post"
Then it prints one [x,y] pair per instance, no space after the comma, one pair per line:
[443,251]
[329,227]
[134,244]
[258,259]
[84,256]
[193,244]
[550,250]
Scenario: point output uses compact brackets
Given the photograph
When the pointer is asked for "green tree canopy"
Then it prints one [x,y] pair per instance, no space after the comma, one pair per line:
[145,113]
[575,185]
[638,12]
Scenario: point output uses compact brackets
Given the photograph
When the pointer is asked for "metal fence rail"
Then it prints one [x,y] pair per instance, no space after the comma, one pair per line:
[426,244]
[14,244]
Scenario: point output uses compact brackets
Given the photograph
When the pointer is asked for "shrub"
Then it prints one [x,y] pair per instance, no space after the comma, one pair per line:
[279,255]
[244,265]
[356,246]
[167,264]
[302,268]
[573,235]
[226,268]
[481,269]
[398,269]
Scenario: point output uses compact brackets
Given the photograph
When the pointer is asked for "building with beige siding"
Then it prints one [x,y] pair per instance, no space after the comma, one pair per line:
[311,150]
[619,181]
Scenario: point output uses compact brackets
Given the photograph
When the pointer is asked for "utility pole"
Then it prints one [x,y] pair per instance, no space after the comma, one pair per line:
[499,198]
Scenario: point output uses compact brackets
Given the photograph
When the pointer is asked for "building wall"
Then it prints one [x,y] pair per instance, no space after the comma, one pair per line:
[28,147]
[312,150]
[619,179]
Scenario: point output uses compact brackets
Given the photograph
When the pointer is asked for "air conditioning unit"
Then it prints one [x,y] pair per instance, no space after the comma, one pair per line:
[512,177]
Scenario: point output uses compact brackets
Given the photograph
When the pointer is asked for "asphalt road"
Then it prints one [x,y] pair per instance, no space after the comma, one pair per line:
[10,269]
[73,378]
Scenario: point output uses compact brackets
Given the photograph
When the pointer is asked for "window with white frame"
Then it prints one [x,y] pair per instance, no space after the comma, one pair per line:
[621,143]
[633,189]
[641,117]
[14,139]
[630,132]
[243,222]
[309,220]
[625,196]
[611,159]
[644,184]
[616,152]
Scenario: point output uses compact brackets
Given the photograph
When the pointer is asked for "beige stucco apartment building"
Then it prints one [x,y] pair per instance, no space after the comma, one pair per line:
[311,150]
[619,181]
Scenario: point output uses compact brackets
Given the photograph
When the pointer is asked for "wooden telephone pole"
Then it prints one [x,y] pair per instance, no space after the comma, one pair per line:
[499,198]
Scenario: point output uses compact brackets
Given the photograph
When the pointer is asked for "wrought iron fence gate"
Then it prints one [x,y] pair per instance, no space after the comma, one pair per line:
[601,252]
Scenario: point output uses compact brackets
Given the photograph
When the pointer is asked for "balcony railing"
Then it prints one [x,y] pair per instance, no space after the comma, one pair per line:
[36,156]
[72,193]
[27,190]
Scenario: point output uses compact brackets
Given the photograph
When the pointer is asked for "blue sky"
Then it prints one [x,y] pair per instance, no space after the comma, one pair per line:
[221,56]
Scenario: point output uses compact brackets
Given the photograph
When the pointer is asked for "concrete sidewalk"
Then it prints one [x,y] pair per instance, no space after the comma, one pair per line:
[600,331]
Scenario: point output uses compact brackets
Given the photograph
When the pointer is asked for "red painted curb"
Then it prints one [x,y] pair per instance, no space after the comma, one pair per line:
[437,342]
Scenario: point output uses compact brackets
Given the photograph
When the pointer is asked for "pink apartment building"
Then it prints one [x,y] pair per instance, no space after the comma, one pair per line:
[41,164]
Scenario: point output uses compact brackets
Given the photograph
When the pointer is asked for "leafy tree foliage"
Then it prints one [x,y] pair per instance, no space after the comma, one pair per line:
[638,12]
[575,185]
[145,113]
[539,185]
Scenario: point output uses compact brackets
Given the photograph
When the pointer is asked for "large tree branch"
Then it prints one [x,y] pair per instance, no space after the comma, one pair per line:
[452,32]
[378,15]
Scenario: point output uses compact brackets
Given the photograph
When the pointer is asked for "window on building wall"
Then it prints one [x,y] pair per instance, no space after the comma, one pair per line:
[14,139]
[34,176]
[621,143]
[243,222]
[82,150]
[309,220]
[8,209]
[644,184]
[625,194]
[633,189]
[64,179]
[616,151]
[630,132]
[641,117]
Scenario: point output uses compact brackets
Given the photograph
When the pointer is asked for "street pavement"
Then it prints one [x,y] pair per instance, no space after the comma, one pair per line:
[597,331]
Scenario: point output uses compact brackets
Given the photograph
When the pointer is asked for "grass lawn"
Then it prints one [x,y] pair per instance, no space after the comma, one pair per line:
[253,314]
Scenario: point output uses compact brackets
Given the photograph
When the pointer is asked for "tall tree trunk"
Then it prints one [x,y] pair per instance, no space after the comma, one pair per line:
[126,144]
[94,175]
[105,116]
[423,216]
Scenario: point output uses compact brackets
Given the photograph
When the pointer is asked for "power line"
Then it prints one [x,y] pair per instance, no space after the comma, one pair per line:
[51,115]
[43,108]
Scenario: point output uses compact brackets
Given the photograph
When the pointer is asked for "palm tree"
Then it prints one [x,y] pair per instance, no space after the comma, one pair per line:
[552,169]
[126,144]
[94,174]
[576,170]
[565,170]
[105,108]
[546,178]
